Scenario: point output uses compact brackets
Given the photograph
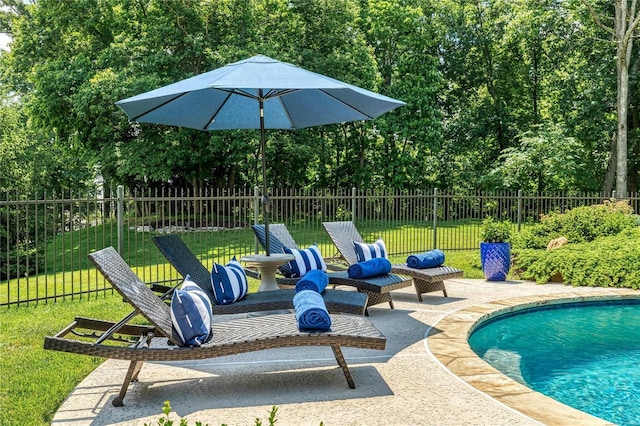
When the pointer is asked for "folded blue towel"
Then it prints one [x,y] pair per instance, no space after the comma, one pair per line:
[311,312]
[429,259]
[370,268]
[315,280]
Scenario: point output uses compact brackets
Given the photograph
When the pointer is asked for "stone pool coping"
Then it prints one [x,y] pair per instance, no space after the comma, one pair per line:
[448,342]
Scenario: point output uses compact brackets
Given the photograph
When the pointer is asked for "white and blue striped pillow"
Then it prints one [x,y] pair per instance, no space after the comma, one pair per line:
[366,252]
[305,260]
[191,314]
[229,282]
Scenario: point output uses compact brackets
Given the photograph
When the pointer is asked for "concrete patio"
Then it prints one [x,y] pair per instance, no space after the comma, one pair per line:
[404,385]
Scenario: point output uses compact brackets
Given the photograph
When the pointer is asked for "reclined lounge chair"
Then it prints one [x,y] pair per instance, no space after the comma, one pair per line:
[377,288]
[186,262]
[343,234]
[157,342]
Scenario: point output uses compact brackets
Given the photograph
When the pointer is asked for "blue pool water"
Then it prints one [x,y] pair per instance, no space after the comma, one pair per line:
[586,355]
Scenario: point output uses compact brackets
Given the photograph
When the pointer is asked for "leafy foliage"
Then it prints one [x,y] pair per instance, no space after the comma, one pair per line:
[545,160]
[507,94]
[581,224]
[609,261]
[494,231]
[603,249]
[166,421]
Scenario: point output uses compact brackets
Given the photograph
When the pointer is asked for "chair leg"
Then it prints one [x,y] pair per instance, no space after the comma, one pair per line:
[424,286]
[377,298]
[131,376]
[337,352]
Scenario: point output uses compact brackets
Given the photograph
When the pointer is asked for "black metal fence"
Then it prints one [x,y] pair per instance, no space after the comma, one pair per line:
[44,241]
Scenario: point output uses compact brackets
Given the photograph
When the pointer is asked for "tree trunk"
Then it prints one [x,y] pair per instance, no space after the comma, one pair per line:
[624,53]
[625,25]
[610,177]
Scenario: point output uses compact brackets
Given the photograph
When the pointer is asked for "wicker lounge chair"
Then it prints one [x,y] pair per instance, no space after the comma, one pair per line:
[343,234]
[157,342]
[377,288]
[186,262]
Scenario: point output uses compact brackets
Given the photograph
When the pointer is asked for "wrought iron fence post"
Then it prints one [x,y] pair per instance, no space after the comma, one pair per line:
[435,218]
[120,216]
[256,215]
[353,204]
[519,208]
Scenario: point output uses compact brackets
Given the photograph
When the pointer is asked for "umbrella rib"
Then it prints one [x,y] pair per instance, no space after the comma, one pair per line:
[275,93]
[213,116]
[237,92]
[286,111]
[158,106]
[347,105]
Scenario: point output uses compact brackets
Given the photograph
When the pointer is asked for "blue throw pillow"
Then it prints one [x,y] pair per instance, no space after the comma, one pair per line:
[229,282]
[366,252]
[191,314]
[305,260]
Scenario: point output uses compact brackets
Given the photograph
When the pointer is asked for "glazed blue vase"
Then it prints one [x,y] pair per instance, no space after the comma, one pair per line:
[496,260]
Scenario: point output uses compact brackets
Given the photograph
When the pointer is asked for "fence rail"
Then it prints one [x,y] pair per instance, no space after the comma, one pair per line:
[44,242]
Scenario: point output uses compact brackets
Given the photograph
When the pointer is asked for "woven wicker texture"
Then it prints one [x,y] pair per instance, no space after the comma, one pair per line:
[343,234]
[134,291]
[230,337]
[185,262]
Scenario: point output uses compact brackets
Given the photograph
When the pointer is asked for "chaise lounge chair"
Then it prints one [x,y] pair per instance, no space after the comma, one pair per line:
[157,342]
[343,234]
[377,288]
[186,262]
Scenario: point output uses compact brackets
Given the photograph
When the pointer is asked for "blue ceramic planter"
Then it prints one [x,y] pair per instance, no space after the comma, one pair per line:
[496,260]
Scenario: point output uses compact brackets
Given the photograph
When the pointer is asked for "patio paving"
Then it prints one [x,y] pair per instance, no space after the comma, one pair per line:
[404,385]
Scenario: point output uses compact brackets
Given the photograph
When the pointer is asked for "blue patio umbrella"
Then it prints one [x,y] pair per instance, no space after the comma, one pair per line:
[257,93]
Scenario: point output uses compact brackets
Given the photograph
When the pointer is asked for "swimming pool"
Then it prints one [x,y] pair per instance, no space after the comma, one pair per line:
[585,355]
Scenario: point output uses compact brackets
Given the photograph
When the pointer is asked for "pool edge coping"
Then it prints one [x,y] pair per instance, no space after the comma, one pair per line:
[448,343]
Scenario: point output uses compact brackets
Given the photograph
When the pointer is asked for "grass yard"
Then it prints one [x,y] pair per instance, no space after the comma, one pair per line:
[66,269]
[34,381]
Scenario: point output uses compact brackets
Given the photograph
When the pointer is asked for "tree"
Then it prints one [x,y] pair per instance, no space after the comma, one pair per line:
[545,160]
[625,23]
[409,149]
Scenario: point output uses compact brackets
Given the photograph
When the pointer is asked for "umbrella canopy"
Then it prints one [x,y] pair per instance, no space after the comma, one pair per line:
[256,93]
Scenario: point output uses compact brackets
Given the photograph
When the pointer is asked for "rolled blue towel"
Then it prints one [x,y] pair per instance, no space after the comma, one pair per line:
[315,280]
[429,259]
[370,268]
[311,312]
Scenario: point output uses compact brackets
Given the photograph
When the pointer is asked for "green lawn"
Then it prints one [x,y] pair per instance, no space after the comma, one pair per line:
[66,268]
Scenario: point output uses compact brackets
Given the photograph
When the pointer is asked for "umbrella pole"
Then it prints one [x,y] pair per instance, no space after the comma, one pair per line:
[265,194]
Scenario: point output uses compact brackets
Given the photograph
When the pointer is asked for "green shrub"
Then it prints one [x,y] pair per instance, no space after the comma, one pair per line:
[494,231]
[166,421]
[581,224]
[610,261]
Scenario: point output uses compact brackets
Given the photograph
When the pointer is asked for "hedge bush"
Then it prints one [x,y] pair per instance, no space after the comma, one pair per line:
[609,261]
[578,225]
